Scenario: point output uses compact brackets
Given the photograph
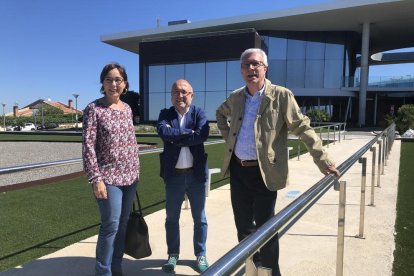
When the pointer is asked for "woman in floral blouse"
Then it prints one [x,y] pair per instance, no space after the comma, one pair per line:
[111,162]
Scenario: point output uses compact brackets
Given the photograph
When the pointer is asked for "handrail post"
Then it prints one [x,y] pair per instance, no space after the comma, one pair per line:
[341,229]
[299,148]
[334,128]
[383,154]
[339,132]
[373,150]
[385,150]
[344,130]
[288,151]
[363,161]
[327,145]
[390,140]
[379,142]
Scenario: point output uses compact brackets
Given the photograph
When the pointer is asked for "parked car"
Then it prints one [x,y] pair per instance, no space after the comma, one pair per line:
[48,126]
[11,128]
[28,127]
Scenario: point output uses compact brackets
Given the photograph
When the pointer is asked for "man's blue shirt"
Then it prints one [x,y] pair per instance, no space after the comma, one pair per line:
[246,144]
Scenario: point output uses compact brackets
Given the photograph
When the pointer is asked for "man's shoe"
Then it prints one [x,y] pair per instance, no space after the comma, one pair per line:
[202,263]
[169,266]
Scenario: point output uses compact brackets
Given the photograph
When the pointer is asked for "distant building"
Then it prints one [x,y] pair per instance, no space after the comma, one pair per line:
[36,106]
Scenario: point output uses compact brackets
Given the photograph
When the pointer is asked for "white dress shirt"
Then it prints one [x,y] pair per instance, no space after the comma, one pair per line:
[185,160]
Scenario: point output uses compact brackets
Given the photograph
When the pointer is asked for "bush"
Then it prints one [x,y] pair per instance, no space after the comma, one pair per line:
[405,118]
[47,119]
[318,115]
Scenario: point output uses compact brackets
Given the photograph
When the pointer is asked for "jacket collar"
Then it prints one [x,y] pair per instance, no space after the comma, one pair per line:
[267,98]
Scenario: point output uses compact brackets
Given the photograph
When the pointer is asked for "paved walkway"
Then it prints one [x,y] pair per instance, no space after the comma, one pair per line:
[308,248]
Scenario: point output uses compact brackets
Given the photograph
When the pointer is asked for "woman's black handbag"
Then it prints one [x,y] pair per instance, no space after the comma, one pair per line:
[137,239]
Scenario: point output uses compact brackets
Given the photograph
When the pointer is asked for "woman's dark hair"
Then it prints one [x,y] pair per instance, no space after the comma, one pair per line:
[121,70]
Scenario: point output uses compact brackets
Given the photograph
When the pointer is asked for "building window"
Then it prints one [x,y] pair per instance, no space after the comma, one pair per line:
[306,59]
[212,82]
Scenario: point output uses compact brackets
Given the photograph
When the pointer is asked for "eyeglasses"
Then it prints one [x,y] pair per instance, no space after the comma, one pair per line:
[181,92]
[254,64]
[118,81]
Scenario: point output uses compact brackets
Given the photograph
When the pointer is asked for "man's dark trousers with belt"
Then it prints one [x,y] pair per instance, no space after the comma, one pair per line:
[253,205]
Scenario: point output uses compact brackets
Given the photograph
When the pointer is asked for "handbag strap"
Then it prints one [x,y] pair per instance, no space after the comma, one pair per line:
[139,203]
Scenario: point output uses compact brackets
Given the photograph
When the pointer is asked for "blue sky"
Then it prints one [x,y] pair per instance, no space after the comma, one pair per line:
[52,49]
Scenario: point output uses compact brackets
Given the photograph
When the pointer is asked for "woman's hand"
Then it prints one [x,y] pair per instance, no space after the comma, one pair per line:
[99,189]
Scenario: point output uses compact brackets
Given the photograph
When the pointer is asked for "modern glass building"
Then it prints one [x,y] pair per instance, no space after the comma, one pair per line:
[322,54]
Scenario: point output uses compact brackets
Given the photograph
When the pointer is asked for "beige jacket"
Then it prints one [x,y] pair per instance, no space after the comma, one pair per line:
[278,113]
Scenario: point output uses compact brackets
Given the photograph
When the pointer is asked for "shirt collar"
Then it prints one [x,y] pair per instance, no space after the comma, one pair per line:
[179,114]
[246,92]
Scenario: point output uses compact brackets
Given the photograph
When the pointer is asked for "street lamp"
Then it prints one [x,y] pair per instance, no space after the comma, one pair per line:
[76,108]
[35,115]
[4,117]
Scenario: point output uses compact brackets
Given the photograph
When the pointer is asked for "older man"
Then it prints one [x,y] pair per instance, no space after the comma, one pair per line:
[255,120]
[183,129]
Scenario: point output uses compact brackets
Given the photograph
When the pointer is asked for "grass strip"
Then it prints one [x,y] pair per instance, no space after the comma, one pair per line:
[404,226]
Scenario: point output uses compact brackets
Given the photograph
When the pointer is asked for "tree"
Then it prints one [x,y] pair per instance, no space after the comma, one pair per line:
[132,99]
[48,109]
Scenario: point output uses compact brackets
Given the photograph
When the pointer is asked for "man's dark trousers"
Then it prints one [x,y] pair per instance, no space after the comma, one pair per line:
[253,204]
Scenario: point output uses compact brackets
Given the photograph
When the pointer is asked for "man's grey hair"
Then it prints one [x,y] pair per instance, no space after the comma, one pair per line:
[254,51]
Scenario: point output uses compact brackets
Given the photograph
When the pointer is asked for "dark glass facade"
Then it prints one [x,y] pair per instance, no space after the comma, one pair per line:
[297,60]
[211,81]
[307,59]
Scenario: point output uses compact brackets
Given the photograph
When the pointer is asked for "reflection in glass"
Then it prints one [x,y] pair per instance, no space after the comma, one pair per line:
[213,100]
[156,102]
[234,79]
[335,46]
[156,78]
[277,48]
[195,73]
[215,76]
[277,72]
[296,49]
[173,73]
[295,73]
[199,99]
[314,73]
[333,73]
[315,50]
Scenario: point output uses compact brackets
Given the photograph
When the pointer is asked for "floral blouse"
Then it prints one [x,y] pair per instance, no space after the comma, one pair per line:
[110,150]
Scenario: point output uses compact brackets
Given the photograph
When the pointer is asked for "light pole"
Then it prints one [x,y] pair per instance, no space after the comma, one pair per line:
[4,117]
[76,108]
[43,120]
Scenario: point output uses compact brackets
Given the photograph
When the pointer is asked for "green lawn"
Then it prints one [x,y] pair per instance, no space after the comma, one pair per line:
[404,226]
[42,219]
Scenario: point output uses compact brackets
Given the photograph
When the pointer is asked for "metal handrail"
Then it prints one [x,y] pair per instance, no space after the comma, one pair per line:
[72,161]
[235,258]
[38,165]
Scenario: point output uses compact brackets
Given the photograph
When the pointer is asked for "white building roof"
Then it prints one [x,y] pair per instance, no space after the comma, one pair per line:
[391,28]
